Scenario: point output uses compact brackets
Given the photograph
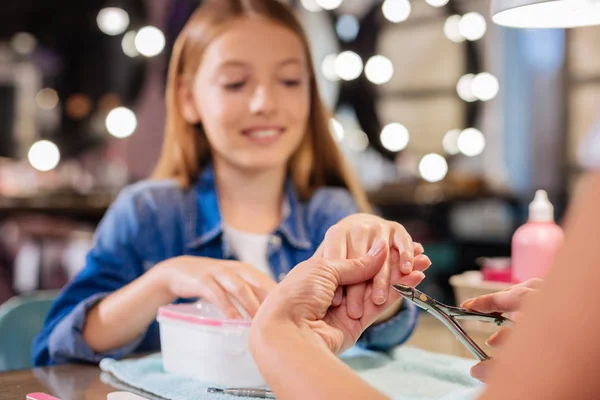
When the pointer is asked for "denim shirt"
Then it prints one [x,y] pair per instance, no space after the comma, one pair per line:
[152,221]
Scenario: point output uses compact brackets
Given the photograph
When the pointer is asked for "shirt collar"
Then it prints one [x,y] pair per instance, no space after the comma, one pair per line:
[203,217]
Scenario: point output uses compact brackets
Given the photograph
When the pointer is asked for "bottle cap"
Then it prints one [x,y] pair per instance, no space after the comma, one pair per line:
[540,209]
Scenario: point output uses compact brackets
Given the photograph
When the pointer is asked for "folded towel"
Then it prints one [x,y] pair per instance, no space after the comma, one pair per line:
[420,375]
[404,374]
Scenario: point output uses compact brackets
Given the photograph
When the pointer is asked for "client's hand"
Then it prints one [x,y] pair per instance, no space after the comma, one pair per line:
[222,282]
[304,299]
[507,300]
[353,236]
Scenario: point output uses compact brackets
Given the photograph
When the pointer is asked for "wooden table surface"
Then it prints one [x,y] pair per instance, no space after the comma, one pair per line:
[84,382]
[67,382]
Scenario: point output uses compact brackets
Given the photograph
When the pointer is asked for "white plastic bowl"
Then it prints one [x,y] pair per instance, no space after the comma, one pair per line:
[199,342]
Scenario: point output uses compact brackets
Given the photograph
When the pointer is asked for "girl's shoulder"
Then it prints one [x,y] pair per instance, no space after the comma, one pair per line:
[331,198]
[152,192]
[143,199]
[329,205]
[152,188]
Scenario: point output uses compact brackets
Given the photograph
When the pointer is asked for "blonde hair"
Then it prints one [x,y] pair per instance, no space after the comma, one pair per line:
[316,163]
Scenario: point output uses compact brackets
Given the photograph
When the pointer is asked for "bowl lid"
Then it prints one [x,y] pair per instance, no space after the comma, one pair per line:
[201,313]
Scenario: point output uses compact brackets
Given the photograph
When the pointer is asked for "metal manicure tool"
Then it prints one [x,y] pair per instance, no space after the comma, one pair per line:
[449,315]
[244,392]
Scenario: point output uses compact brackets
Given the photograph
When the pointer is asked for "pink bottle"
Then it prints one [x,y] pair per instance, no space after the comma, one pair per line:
[535,243]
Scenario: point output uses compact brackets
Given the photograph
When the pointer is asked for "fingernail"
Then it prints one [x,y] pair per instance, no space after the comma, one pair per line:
[515,315]
[479,372]
[354,312]
[490,341]
[466,303]
[406,268]
[337,299]
[379,296]
[377,247]
[399,239]
[394,257]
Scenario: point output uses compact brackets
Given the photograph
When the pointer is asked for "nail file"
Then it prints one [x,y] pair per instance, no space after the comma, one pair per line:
[40,396]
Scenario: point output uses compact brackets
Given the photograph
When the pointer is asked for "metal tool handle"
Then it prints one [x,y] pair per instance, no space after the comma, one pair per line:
[249,392]
[463,313]
[460,334]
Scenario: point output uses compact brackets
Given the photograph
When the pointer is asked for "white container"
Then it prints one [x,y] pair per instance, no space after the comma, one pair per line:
[198,341]
[470,284]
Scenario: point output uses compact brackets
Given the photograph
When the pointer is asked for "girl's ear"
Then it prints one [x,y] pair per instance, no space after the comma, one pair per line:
[188,106]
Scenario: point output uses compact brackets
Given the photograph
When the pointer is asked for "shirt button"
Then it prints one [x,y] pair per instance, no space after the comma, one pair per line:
[275,240]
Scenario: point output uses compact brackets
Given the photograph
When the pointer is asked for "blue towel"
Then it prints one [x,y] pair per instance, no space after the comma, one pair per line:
[404,374]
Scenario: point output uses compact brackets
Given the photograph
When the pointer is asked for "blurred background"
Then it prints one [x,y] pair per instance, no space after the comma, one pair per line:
[451,122]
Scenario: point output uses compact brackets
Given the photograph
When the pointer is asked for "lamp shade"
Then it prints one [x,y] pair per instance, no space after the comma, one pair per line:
[545,13]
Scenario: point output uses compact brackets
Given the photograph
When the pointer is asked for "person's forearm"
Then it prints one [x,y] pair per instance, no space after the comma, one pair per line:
[124,315]
[552,353]
[297,366]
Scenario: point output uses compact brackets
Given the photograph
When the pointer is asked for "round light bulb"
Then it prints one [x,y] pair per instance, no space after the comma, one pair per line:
[121,122]
[394,137]
[328,68]
[471,142]
[347,27]
[379,70]
[337,129]
[46,99]
[149,41]
[112,20]
[433,167]
[23,43]
[311,5]
[44,155]
[450,141]
[348,65]
[329,4]
[464,88]
[358,141]
[128,44]
[472,26]
[396,10]
[485,86]
[451,29]
[437,3]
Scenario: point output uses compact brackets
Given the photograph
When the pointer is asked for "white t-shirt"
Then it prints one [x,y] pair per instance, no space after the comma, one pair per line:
[251,248]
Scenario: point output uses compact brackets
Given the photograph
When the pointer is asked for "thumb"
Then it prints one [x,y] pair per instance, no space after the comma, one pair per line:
[504,301]
[361,269]
[481,371]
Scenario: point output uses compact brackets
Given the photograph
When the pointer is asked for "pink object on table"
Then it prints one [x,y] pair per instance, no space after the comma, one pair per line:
[495,269]
[40,396]
[535,243]
[492,275]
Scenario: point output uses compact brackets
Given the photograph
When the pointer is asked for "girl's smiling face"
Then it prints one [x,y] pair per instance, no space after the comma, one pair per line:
[251,94]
